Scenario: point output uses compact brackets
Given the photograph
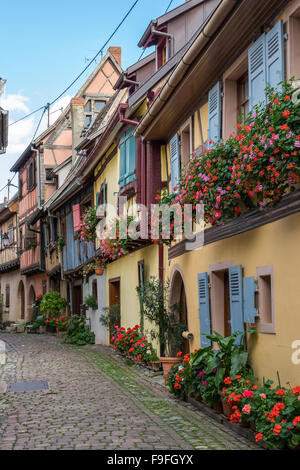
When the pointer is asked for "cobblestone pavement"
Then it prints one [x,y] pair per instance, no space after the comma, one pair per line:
[96,401]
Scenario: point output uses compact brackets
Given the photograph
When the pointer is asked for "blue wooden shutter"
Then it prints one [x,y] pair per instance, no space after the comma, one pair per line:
[214,113]
[175,160]
[257,71]
[249,289]
[275,55]
[236,298]
[204,310]
[122,148]
[105,192]
[131,155]
[98,199]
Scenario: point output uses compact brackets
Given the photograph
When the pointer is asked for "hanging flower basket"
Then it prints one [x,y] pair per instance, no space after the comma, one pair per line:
[99,271]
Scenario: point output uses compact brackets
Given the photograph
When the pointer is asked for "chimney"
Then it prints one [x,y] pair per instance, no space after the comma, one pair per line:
[77,113]
[116,52]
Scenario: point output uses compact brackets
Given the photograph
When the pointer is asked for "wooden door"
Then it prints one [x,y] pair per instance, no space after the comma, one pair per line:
[76,300]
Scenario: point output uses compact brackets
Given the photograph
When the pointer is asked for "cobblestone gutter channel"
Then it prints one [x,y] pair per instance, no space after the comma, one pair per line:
[97,401]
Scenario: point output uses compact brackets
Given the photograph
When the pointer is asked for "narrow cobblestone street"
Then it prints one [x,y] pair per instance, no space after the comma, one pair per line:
[96,401]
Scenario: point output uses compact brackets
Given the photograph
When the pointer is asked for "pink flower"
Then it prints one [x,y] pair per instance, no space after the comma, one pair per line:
[202,372]
[204,383]
[263,395]
[247,409]
[248,393]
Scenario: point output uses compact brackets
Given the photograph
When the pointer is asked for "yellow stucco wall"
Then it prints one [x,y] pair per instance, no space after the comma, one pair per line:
[276,245]
[127,270]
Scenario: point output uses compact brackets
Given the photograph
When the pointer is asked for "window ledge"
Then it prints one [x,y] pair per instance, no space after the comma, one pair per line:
[129,189]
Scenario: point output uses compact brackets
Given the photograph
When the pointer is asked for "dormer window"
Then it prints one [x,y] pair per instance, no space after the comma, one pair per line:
[161,53]
[92,107]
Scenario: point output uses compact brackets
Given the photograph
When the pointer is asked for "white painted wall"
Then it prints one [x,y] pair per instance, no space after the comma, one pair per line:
[94,315]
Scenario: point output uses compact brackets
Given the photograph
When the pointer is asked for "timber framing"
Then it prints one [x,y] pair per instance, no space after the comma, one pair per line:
[10,266]
[251,220]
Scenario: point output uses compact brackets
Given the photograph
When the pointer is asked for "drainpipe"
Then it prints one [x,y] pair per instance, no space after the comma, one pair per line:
[165,35]
[38,175]
[122,109]
[195,49]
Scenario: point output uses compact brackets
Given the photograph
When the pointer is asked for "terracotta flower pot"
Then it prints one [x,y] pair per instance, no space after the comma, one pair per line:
[167,363]
[225,405]
[155,365]
[99,271]
[217,407]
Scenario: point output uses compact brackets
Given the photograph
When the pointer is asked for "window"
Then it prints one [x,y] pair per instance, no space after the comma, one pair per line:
[95,289]
[266,63]
[127,157]
[293,44]
[31,175]
[10,233]
[20,187]
[49,175]
[44,284]
[87,108]
[98,105]
[186,145]
[175,161]
[87,120]
[243,97]
[161,53]
[265,299]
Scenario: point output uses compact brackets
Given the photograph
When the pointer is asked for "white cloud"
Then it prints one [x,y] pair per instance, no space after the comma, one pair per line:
[19,136]
[15,102]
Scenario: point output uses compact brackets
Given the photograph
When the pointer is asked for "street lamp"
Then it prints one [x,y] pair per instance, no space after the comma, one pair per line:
[5,240]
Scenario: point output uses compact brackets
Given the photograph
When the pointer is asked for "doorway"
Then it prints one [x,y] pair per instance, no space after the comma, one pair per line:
[76,299]
[21,300]
[31,299]
[178,306]
[114,300]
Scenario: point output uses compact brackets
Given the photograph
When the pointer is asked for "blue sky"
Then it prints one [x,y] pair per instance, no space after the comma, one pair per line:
[47,44]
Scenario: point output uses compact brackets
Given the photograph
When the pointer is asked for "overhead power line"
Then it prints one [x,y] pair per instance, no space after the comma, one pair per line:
[84,70]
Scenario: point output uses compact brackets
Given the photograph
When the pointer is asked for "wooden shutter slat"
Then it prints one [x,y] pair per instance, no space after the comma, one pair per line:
[214,113]
[249,289]
[236,299]
[275,55]
[175,161]
[204,308]
[257,71]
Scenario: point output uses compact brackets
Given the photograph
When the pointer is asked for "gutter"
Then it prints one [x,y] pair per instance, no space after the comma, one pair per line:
[194,50]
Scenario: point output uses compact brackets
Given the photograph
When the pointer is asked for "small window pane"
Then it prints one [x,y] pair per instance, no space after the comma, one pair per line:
[99,105]
[87,121]
[87,107]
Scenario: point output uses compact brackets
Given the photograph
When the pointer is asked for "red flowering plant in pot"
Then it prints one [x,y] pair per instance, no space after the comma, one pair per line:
[266,160]
[254,168]
[229,359]
[239,392]
[178,380]
[133,344]
[278,416]
[116,238]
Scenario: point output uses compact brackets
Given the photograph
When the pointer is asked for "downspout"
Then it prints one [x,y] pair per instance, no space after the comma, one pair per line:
[200,42]
[165,35]
[122,109]
[38,176]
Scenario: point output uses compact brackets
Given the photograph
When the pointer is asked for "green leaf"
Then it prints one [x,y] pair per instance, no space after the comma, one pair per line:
[238,362]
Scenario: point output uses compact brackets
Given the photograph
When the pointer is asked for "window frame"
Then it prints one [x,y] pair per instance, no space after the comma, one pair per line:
[263,326]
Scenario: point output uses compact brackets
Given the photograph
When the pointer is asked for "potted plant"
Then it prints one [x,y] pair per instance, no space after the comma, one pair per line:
[87,269]
[52,304]
[227,361]
[91,301]
[99,266]
[154,300]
